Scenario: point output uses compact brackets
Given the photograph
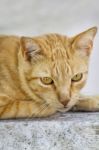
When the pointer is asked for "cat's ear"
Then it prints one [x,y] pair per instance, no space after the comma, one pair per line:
[83,42]
[30,49]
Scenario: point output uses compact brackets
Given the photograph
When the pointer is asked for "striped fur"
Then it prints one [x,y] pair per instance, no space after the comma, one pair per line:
[24,60]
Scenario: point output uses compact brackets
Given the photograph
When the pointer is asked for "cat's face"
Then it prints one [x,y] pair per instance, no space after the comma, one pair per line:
[57,67]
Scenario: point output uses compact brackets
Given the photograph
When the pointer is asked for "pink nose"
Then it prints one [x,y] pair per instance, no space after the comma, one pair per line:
[65,102]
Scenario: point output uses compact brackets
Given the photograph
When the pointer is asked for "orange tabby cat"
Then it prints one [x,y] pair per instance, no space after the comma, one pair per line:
[42,75]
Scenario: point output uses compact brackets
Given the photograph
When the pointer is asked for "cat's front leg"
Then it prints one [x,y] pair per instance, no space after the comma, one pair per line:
[87,103]
[4,100]
[23,109]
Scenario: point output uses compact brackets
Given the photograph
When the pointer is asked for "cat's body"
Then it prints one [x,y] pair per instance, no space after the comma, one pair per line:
[41,75]
[9,76]
[14,101]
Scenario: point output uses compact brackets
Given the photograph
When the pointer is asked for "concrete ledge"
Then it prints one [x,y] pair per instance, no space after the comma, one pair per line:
[70,131]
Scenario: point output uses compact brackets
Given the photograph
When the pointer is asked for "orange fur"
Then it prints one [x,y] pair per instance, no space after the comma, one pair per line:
[24,60]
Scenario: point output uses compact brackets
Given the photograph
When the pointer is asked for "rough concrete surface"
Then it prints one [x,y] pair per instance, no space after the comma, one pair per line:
[70,131]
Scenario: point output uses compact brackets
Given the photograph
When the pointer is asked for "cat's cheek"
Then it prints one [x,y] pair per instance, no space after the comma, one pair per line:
[74,93]
[78,86]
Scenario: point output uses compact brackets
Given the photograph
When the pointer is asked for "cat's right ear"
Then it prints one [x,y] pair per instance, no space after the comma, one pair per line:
[29,48]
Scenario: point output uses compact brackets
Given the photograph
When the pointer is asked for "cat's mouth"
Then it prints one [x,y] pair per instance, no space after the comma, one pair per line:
[64,108]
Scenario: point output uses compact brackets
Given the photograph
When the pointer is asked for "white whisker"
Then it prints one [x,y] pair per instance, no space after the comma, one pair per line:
[42,108]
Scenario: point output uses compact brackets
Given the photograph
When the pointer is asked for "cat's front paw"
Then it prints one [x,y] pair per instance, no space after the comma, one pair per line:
[87,104]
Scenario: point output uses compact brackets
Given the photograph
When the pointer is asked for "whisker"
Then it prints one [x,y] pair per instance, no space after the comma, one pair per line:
[41,108]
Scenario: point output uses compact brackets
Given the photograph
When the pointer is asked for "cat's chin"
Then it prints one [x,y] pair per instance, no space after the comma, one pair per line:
[63,110]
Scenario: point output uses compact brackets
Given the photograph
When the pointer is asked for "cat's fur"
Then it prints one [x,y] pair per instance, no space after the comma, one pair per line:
[23,61]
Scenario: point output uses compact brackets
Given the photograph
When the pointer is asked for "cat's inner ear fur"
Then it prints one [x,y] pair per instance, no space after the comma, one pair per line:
[83,42]
[30,49]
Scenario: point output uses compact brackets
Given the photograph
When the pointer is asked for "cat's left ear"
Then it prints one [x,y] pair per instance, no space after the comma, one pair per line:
[83,42]
[30,49]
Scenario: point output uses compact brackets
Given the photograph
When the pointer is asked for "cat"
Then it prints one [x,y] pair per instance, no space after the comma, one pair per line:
[42,75]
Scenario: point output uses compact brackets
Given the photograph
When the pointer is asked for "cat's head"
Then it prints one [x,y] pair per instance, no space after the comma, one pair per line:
[56,66]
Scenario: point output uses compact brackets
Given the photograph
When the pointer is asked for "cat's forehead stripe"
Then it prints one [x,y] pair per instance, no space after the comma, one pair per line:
[55,47]
[61,70]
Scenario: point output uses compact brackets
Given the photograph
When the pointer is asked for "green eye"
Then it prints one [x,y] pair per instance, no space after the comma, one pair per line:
[77,77]
[46,80]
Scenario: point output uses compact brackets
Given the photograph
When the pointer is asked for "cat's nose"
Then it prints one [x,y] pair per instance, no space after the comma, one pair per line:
[65,102]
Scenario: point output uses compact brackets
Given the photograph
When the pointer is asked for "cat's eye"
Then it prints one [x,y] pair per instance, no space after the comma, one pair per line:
[46,80]
[77,77]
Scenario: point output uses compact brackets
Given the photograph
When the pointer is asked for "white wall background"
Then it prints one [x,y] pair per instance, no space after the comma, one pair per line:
[33,17]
